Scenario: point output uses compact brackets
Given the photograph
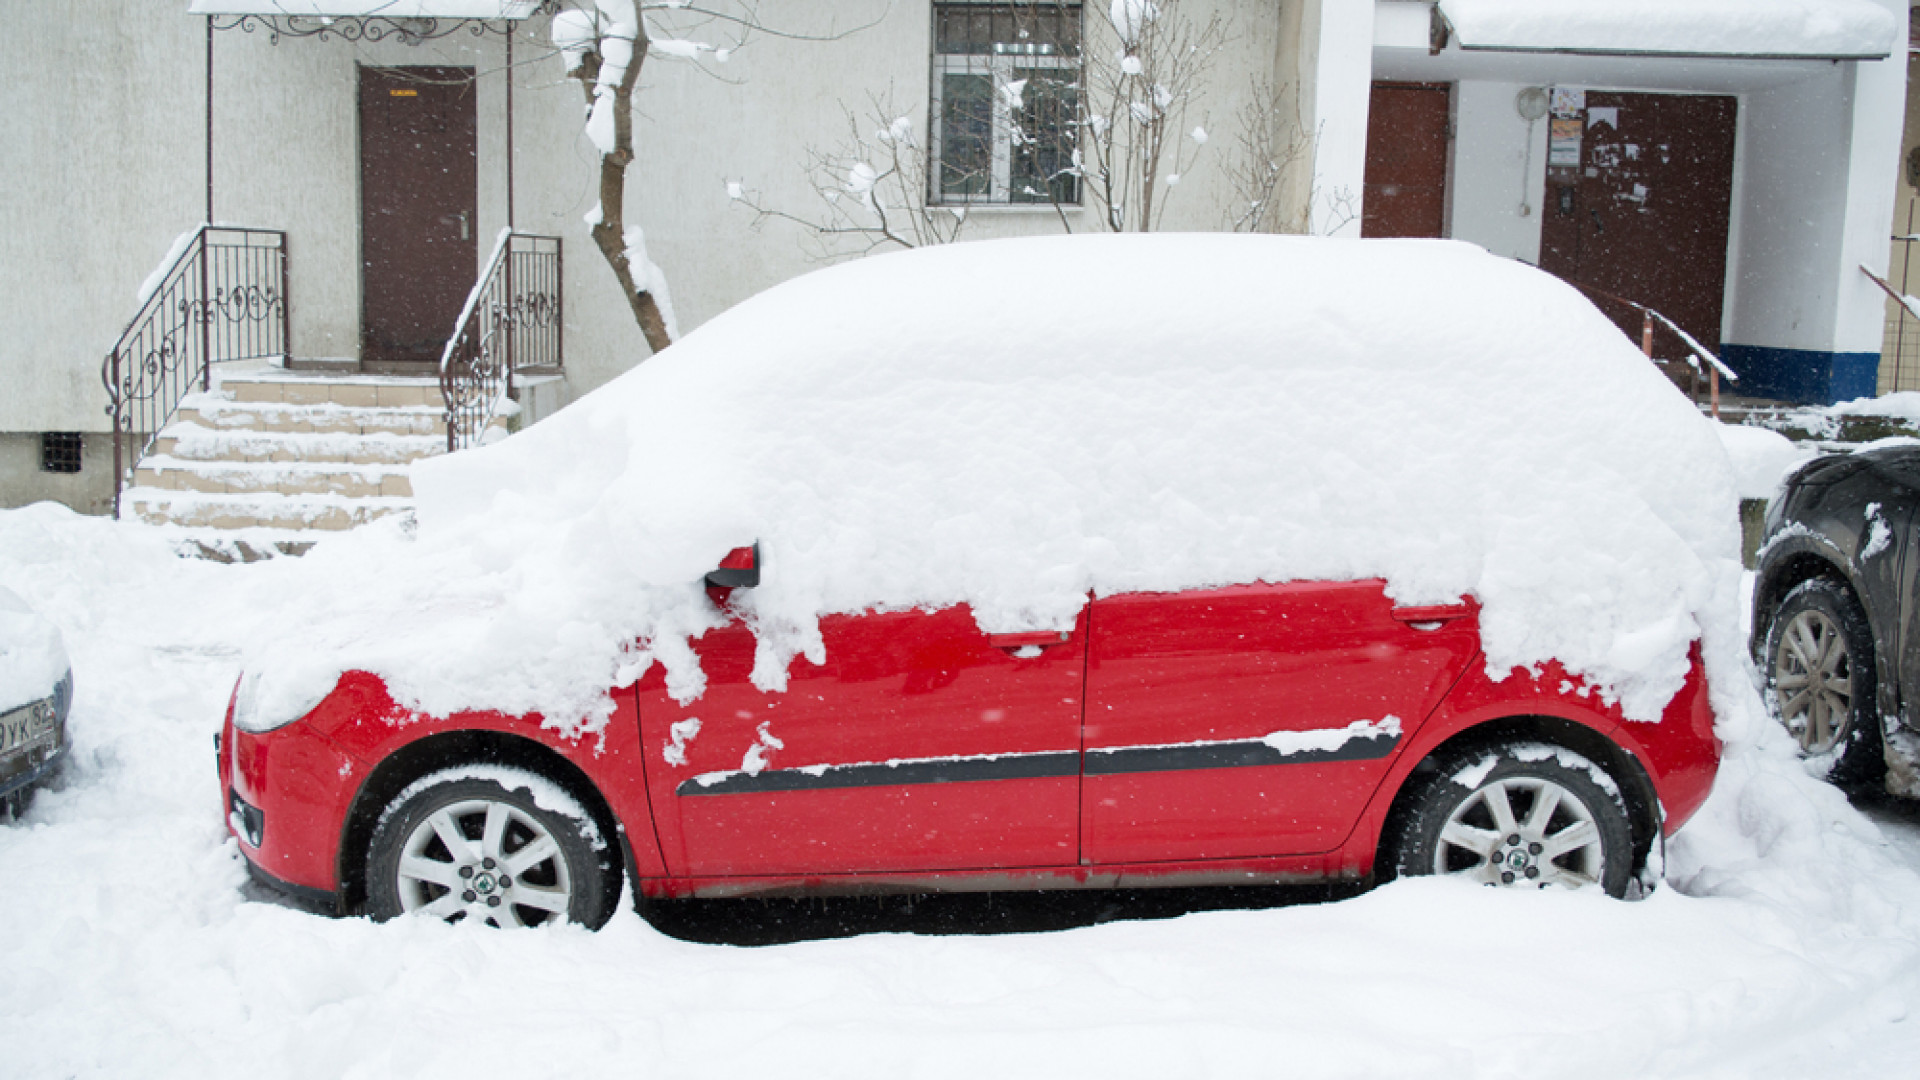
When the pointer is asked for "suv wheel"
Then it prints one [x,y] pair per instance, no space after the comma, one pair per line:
[1820,679]
[501,845]
[1516,814]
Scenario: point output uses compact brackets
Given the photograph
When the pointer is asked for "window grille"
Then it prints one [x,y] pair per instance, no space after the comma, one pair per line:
[1006,99]
[60,451]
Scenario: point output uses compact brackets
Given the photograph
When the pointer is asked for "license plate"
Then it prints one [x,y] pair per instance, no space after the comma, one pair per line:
[26,730]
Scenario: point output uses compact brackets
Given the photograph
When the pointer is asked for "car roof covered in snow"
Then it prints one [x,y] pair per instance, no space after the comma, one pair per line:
[1017,424]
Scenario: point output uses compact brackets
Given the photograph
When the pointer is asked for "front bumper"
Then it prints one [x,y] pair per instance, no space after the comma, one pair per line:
[284,796]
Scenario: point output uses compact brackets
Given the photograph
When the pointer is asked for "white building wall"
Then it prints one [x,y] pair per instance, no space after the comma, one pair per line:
[1878,117]
[101,170]
[107,98]
[1337,65]
[1791,166]
[1499,170]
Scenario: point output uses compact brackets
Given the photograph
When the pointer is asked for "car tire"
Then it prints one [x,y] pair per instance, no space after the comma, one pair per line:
[1821,680]
[1518,814]
[485,842]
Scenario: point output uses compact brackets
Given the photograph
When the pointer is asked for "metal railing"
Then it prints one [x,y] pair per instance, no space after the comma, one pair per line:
[1902,338]
[1700,362]
[510,325]
[221,294]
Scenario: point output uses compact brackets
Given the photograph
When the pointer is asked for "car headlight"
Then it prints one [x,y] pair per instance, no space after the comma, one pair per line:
[263,704]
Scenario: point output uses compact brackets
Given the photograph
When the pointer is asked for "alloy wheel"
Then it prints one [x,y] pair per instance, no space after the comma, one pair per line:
[484,859]
[1814,680]
[1522,831]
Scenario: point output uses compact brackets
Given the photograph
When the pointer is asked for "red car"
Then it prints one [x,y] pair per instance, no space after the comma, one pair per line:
[1253,734]
[1039,606]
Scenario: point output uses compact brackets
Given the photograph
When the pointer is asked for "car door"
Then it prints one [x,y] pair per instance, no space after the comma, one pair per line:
[921,744]
[1253,720]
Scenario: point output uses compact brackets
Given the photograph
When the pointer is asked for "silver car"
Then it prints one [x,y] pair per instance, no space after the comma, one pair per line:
[36,691]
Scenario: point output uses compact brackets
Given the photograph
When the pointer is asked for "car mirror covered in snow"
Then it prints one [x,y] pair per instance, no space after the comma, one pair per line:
[739,570]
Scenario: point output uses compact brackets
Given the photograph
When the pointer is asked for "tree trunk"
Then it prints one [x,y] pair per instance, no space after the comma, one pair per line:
[609,233]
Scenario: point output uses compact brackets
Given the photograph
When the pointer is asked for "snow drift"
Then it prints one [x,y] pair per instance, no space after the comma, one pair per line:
[1015,424]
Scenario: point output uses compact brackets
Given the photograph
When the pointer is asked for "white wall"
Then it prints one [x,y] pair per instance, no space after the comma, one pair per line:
[1336,64]
[1878,118]
[100,125]
[106,98]
[1792,178]
[1499,171]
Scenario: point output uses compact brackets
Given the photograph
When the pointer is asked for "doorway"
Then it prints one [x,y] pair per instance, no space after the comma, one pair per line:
[1409,127]
[418,197]
[1644,216]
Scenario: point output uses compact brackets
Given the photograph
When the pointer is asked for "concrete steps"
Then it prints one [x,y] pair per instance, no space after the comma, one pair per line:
[288,453]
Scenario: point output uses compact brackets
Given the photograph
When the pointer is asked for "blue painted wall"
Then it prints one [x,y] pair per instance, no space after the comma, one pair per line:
[1802,376]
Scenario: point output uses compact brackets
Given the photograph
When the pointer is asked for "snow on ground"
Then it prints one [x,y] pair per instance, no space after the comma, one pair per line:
[1761,458]
[1787,945]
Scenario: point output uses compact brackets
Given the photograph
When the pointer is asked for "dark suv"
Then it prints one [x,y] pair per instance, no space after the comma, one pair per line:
[1836,629]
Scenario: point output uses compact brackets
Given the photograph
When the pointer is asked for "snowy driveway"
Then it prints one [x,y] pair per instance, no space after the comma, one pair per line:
[1788,944]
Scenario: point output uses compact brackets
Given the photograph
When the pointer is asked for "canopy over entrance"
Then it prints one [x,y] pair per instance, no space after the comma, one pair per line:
[364,9]
[1757,29]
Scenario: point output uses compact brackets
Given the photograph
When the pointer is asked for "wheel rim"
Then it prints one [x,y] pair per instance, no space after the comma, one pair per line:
[484,859]
[1814,680]
[1522,831]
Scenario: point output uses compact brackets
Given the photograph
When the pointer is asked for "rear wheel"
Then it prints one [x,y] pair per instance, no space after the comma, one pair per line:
[500,845]
[1519,814]
[1820,677]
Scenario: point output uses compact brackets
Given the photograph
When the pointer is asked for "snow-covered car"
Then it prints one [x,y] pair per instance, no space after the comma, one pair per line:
[36,690]
[1081,562]
[1833,600]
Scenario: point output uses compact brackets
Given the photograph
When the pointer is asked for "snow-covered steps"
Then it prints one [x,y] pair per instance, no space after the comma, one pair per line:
[289,453]
[270,510]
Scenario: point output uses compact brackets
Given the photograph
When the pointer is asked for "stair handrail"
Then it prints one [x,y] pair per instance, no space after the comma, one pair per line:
[1715,367]
[511,322]
[219,294]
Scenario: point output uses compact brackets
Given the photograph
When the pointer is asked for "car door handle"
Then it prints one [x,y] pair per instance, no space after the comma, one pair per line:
[1038,639]
[1434,617]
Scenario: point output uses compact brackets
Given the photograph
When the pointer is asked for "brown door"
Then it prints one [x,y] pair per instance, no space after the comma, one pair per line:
[417,201]
[1408,127]
[1645,215]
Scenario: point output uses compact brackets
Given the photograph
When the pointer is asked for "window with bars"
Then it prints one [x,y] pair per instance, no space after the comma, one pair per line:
[1006,94]
[60,451]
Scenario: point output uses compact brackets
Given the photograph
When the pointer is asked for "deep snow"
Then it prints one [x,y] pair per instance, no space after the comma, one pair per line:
[1171,411]
[1788,944]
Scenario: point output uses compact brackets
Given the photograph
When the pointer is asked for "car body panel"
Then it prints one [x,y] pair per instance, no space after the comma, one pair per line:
[1192,699]
[309,778]
[873,803]
[920,744]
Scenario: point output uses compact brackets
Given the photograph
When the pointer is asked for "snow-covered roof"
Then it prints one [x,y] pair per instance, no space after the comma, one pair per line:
[390,9]
[1804,29]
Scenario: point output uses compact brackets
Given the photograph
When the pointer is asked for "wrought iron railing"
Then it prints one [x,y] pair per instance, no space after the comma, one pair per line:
[1703,370]
[220,295]
[511,325]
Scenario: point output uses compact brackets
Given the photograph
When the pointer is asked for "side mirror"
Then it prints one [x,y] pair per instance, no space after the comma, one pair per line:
[739,570]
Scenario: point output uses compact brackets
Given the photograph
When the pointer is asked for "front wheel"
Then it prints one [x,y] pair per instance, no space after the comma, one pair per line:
[500,845]
[1516,814]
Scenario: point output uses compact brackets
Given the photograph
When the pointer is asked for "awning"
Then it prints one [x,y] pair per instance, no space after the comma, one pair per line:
[1758,29]
[367,9]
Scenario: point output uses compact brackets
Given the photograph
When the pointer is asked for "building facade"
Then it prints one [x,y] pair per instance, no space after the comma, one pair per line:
[1734,183]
